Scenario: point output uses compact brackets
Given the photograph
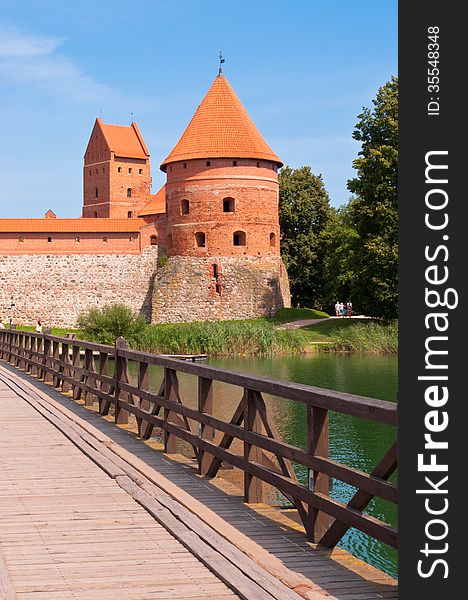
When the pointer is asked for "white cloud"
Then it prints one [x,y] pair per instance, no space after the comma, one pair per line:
[36,61]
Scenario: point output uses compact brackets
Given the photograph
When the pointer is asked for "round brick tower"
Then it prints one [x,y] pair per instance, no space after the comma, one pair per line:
[222,225]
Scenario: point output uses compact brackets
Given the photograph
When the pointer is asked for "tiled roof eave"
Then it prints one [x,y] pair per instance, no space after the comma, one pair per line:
[213,155]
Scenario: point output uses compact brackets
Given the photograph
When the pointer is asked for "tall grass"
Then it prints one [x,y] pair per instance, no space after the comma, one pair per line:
[373,338]
[221,338]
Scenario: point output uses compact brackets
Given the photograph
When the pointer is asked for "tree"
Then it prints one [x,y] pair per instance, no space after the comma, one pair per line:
[304,208]
[340,239]
[374,212]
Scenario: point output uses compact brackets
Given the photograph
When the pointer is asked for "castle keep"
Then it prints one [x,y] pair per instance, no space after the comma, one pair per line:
[216,221]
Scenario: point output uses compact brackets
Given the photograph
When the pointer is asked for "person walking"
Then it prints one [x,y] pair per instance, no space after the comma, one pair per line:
[39,327]
[337,309]
[349,308]
[342,309]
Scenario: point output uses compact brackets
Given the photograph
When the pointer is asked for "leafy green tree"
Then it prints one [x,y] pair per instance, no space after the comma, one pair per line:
[304,208]
[374,212]
[340,239]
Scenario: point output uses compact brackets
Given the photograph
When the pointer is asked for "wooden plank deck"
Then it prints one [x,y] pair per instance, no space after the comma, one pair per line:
[90,531]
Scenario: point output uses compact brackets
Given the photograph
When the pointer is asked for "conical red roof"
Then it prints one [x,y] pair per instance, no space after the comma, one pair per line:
[221,128]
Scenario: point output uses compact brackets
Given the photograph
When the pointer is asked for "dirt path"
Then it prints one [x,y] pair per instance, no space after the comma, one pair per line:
[307,322]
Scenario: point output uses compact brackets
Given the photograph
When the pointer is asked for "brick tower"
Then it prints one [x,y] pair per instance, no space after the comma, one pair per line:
[222,227]
[116,173]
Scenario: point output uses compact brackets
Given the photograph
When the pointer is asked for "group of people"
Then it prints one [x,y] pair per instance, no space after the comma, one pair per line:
[342,310]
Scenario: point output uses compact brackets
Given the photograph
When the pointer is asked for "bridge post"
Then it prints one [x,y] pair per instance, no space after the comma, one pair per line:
[253,486]
[170,393]
[317,445]
[205,405]
[48,377]
[121,416]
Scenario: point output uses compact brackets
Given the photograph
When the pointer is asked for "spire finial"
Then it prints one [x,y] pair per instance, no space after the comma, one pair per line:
[221,60]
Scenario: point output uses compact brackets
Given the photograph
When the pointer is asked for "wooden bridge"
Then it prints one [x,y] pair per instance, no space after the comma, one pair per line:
[98,500]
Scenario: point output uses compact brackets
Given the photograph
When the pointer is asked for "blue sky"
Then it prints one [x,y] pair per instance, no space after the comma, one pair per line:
[303,70]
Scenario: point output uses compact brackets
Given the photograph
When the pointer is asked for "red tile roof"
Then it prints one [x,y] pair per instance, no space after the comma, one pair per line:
[221,128]
[156,204]
[70,225]
[124,140]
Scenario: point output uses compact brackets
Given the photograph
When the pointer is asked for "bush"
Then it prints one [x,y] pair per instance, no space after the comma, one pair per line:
[104,325]
[162,261]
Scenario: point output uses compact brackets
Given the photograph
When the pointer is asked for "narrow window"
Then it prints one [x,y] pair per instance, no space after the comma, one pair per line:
[140,171]
[200,239]
[258,164]
[218,289]
[129,192]
[215,271]
[170,168]
[238,238]
[49,239]
[184,207]
[131,238]
[234,163]
[130,170]
[208,163]
[185,165]
[272,240]
[90,171]
[129,214]
[96,191]
[104,240]
[153,240]
[77,240]
[119,169]
[228,205]
[95,214]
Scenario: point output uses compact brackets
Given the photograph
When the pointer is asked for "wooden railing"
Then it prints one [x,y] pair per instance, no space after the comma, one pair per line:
[83,369]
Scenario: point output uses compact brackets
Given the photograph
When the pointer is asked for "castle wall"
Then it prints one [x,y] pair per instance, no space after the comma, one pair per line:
[71,243]
[192,289]
[56,288]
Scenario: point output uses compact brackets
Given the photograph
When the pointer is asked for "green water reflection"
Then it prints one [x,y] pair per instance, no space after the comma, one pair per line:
[355,442]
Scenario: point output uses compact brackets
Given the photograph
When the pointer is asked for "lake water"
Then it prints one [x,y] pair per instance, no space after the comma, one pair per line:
[354,442]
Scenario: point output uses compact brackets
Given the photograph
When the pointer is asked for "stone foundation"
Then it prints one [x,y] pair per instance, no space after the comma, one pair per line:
[56,288]
[193,289]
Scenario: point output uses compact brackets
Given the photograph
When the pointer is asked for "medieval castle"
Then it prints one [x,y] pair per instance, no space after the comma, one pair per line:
[215,219]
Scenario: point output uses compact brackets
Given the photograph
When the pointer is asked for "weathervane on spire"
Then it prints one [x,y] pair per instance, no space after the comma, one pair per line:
[221,60]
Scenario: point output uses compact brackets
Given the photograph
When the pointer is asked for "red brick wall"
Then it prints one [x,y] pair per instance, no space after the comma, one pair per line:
[254,187]
[65,243]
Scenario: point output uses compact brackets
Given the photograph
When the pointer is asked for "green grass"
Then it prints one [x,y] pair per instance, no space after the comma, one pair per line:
[59,332]
[261,337]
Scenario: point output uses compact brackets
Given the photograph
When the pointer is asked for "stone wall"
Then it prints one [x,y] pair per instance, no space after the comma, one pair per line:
[56,288]
[200,289]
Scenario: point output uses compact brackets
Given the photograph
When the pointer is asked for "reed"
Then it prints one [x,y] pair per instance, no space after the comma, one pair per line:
[369,337]
[222,338]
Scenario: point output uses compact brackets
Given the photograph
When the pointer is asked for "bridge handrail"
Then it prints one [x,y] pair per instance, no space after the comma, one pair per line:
[266,458]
